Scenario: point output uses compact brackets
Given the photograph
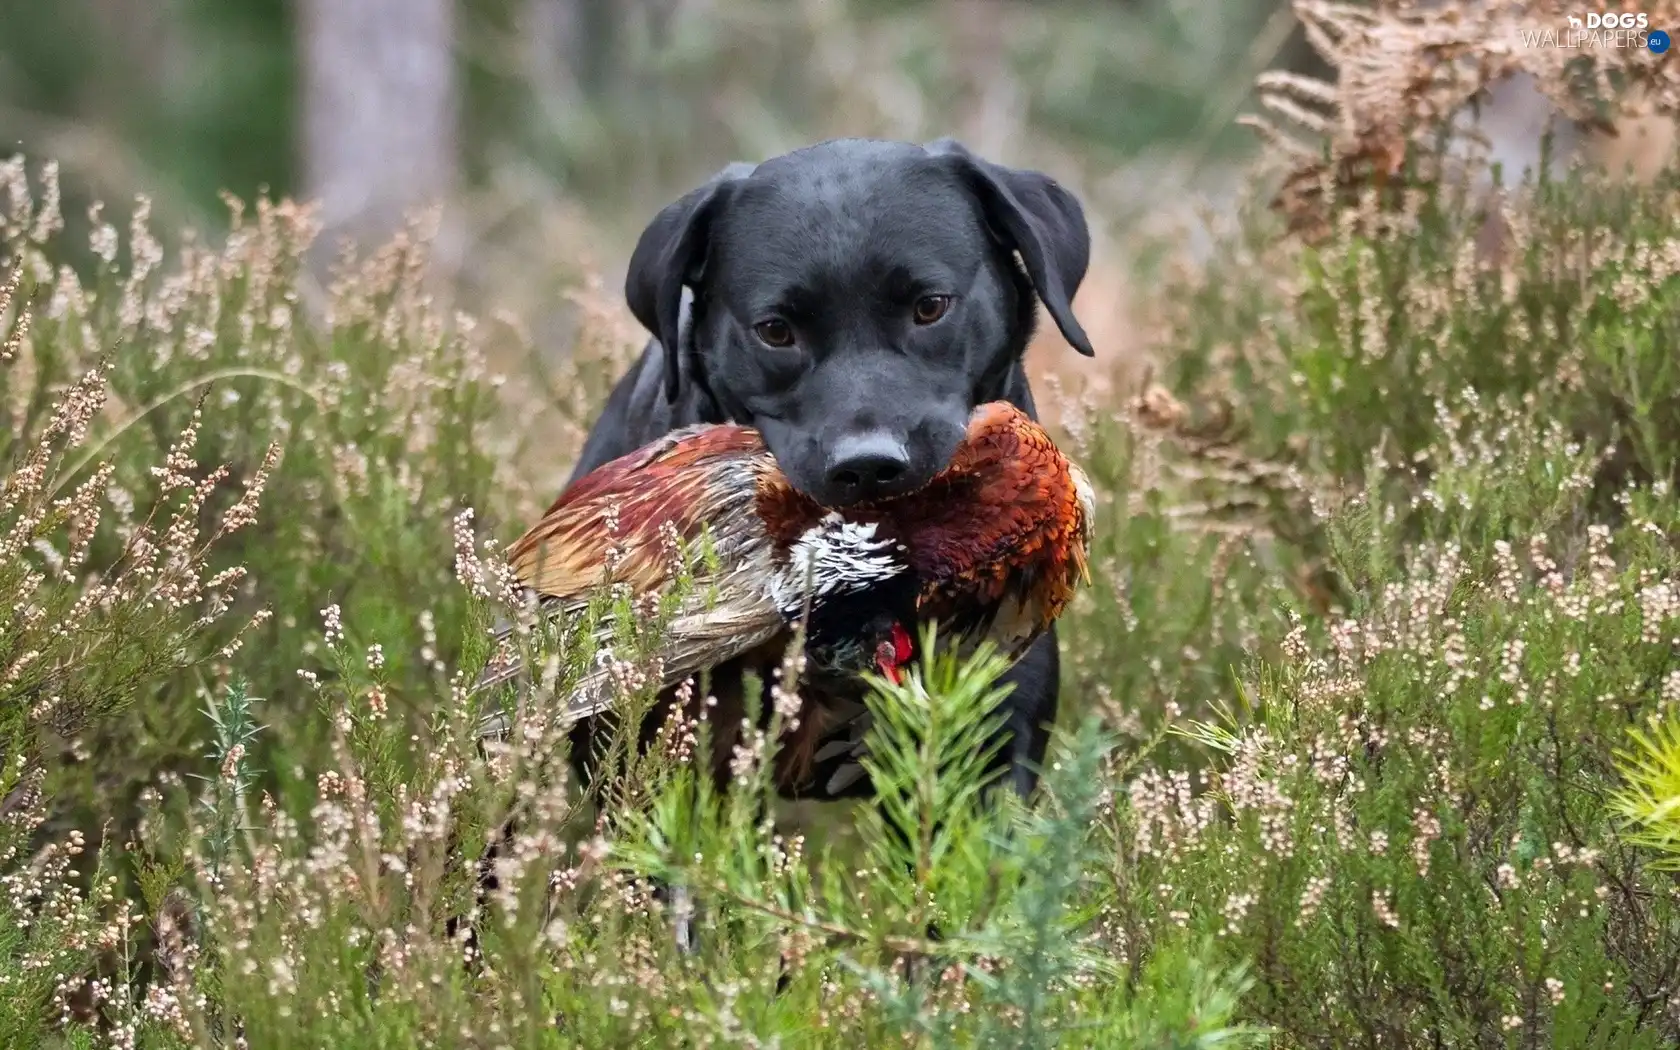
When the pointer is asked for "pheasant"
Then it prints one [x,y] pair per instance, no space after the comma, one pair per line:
[992,548]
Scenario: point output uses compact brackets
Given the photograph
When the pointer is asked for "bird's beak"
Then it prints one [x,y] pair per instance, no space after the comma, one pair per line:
[889,670]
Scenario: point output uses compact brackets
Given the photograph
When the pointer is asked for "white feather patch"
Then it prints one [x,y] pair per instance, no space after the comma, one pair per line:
[1086,494]
[834,555]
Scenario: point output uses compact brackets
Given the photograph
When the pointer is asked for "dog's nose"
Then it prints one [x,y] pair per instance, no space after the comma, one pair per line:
[867,466]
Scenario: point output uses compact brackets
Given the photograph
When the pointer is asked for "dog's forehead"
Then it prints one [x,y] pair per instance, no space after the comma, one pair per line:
[841,159]
[822,210]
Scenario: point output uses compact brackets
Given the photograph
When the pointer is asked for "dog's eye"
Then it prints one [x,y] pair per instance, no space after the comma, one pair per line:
[930,308]
[775,332]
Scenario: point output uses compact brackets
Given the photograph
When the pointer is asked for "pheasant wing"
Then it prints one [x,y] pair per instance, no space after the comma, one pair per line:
[626,524]
[618,524]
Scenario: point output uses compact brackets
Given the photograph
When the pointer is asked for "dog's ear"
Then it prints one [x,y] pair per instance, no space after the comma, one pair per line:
[1035,216]
[669,256]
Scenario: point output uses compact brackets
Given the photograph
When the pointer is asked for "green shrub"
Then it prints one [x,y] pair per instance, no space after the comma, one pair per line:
[1648,801]
[1576,313]
[1406,825]
[333,931]
[82,642]
[365,406]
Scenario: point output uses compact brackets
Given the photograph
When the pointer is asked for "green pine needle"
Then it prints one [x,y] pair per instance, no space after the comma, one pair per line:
[1650,803]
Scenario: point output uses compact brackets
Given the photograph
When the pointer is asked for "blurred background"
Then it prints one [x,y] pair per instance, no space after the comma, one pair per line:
[551,130]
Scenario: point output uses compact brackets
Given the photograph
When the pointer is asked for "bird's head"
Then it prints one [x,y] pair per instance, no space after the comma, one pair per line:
[861,632]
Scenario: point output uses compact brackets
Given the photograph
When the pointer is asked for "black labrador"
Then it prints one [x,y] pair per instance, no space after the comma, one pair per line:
[854,301]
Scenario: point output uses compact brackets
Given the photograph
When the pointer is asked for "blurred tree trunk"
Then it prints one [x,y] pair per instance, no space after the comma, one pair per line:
[380,105]
[592,43]
[574,43]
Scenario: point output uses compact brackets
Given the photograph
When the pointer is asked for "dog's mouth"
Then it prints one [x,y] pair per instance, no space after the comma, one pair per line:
[881,504]
[953,471]
[985,422]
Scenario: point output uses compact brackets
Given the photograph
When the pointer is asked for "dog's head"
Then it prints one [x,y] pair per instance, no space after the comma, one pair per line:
[856,299]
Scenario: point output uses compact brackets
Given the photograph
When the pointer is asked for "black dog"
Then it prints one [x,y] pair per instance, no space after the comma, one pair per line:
[853,301]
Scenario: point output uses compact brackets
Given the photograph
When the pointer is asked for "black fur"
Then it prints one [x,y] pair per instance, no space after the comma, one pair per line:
[839,240]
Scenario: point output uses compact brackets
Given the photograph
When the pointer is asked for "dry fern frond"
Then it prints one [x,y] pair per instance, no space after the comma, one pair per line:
[1232,483]
[1406,72]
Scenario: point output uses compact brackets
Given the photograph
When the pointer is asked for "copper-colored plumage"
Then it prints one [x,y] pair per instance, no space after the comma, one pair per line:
[992,547]
[565,553]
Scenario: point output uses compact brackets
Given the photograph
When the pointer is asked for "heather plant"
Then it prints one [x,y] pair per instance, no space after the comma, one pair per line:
[1576,312]
[79,648]
[1294,373]
[1008,887]
[1433,439]
[331,926]
[1406,811]
[1200,549]
[365,407]
[1406,825]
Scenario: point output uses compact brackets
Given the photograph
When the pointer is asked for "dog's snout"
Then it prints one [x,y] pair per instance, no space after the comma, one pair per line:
[867,466]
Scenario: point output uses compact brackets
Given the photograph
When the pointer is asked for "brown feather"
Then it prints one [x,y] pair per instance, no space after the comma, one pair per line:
[692,481]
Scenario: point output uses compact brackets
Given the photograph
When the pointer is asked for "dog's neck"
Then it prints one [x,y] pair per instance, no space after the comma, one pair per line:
[708,406]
